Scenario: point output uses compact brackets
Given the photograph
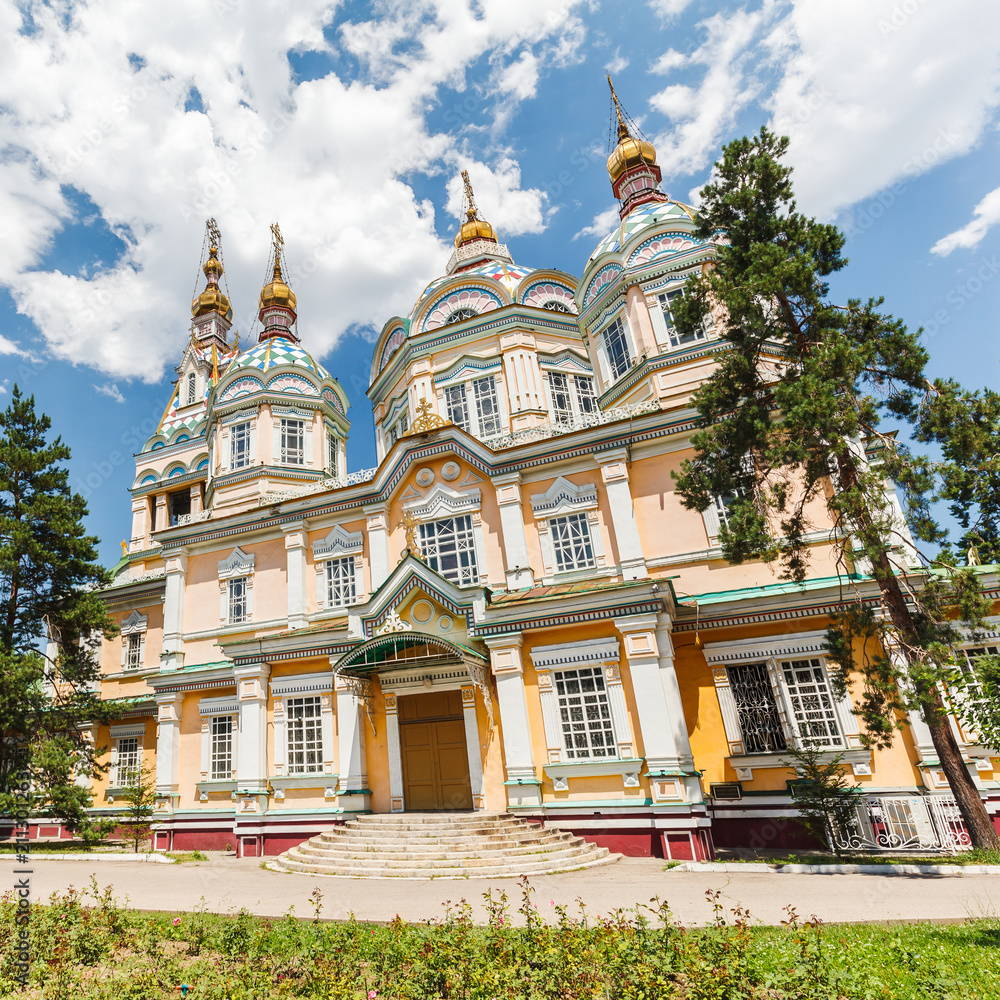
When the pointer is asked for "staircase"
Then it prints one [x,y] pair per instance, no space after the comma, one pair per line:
[441,845]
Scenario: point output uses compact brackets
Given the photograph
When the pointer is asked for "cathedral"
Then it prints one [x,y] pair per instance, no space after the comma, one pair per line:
[512,612]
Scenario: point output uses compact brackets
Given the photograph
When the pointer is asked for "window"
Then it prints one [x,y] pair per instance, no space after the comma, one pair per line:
[811,702]
[460,314]
[458,406]
[239,445]
[134,644]
[129,768]
[562,410]
[221,760]
[617,348]
[448,547]
[667,301]
[192,388]
[585,393]
[571,542]
[304,735]
[239,609]
[397,430]
[585,714]
[332,463]
[293,447]
[756,708]
[971,694]
[554,305]
[180,505]
[341,590]
[487,408]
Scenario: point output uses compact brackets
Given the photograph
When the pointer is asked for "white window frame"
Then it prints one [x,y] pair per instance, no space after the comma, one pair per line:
[484,391]
[237,604]
[215,756]
[240,433]
[971,694]
[332,454]
[293,441]
[211,710]
[561,498]
[443,503]
[613,367]
[191,389]
[457,530]
[467,398]
[572,553]
[339,544]
[774,651]
[578,390]
[283,689]
[225,454]
[600,742]
[239,565]
[133,627]
[397,429]
[125,734]
[281,418]
[664,328]
[341,578]
[313,704]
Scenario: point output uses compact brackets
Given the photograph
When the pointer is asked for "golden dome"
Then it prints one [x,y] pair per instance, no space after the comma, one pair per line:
[630,152]
[276,292]
[212,299]
[475,229]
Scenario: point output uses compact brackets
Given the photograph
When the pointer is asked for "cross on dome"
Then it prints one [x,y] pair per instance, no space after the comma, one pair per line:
[277,300]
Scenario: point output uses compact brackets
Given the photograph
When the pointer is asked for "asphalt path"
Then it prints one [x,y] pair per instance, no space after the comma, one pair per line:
[224,884]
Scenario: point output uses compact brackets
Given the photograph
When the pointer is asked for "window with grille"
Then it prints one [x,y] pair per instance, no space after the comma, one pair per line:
[129,767]
[971,693]
[331,454]
[617,348]
[221,760]
[341,590]
[449,547]
[239,608]
[239,445]
[133,651]
[458,406]
[554,305]
[562,409]
[487,408]
[722,505]
[460,314]
[756,708]
[584,713]
[304,735]
[584,386]
[668,301]
[293,441]
[192,388]
[811,702]
[571,542]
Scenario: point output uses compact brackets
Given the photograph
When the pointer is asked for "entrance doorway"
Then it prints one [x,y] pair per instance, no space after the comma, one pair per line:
[435,759]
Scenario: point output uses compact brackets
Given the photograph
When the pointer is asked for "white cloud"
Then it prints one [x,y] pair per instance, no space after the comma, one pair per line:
[669,9]
[329,157]
[10,347]
[111,391]
[499,196]
[617,62]
[985,215]
[603,223]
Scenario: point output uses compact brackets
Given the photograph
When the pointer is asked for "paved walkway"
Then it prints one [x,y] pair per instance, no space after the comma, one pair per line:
[225,884]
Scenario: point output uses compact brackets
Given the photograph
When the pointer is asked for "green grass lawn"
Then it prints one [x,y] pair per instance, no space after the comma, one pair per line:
[87,946]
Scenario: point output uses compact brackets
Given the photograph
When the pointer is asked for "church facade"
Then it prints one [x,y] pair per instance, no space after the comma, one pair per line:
[511,612]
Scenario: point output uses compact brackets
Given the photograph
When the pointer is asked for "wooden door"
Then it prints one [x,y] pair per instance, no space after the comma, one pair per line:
[435,759]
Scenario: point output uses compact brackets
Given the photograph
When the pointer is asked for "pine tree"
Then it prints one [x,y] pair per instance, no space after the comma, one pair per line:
[48,601]
[787,421]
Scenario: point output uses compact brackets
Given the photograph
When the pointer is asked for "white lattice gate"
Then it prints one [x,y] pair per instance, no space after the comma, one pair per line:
[905,823]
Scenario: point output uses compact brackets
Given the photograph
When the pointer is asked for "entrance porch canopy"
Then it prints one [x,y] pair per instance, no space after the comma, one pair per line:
[403,650]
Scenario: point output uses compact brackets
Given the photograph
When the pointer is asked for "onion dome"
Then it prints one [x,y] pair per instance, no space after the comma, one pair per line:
[212,299]
[475,227]
[277,300]
[629,152]
[276,292]
[635,177]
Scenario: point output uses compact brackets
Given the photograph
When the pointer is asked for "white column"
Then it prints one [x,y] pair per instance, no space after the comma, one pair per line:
[352,761]
[160,513]
[397,802]
[515,544]
[196,498]
[168,747]
[140,523]
[472,747]
[295,556]
[614,472]
[523,786]
[650,656]
[172,656]
[251,761]
[378,545]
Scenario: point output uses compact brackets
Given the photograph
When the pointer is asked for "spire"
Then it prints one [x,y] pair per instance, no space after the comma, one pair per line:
[211,310]
[277,301]
[477,239]
[632,164]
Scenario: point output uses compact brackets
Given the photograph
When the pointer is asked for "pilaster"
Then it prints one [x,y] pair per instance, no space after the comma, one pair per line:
[614,472]
[378,545]
[168,749]
[396,800]
[172,656]
[295,556]
[352,764]
[515,543]
[251,761]
[472,747]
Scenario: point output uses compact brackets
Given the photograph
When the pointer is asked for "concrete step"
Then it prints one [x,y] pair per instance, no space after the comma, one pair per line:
[440,845]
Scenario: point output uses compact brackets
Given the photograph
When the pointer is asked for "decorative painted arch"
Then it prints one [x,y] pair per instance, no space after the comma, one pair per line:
[245,385]
[408,648]
[549,295]
[664,244]
[182,437]
[150,477]
[606,276]
[157,444]
[199,462]
[335,399]
[394,340]
[175,470]
[473,301]
[293,384]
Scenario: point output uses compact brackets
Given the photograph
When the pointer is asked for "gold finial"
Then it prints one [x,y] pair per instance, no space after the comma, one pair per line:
[124,548]
[409,526]
[475,226]
[212,298]
[214,235]
[426,420]
[631,150]
[215,365]
[623,132]
[277,291]
[471,212]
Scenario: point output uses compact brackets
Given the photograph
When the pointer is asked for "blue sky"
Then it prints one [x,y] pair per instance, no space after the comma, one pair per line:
[123,126]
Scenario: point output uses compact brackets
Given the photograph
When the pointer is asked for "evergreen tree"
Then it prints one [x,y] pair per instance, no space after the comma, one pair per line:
[787,421]
[51,618]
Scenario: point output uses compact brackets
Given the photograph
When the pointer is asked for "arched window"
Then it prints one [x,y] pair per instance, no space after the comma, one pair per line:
[192,388]
[459,314]
[554,305]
